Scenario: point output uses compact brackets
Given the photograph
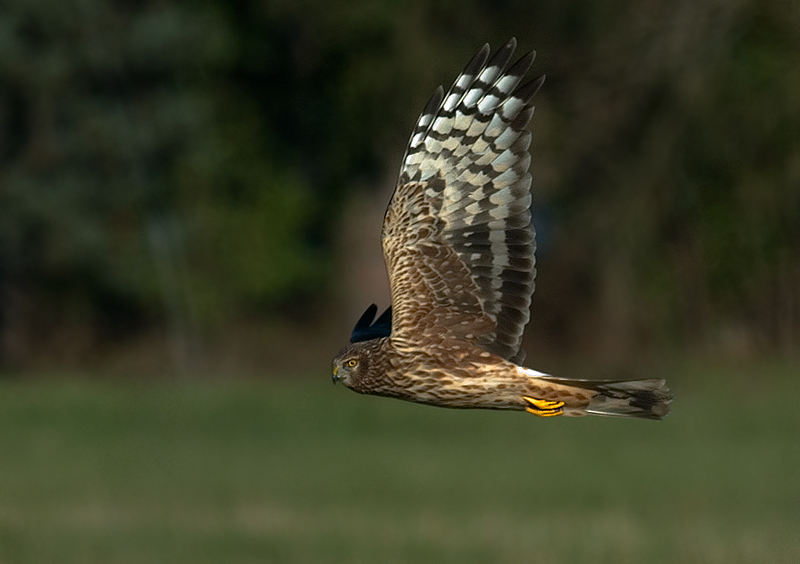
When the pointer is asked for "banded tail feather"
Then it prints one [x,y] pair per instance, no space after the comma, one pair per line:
[643,399]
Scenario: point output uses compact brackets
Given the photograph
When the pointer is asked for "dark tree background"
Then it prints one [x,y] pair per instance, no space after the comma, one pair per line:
[177,172]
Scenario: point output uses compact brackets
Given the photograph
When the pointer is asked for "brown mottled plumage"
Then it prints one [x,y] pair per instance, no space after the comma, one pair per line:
[459,248]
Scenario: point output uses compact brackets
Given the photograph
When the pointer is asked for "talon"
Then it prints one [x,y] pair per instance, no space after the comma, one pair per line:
[544,408]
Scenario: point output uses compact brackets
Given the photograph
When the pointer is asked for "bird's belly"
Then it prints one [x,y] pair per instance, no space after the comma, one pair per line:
[465,387]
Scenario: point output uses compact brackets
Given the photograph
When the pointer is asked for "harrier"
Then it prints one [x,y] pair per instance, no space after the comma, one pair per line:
[459,249]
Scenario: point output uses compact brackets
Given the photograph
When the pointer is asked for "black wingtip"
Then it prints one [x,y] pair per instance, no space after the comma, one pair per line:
[529,89]
[366,318]
[366,330]
[434,101]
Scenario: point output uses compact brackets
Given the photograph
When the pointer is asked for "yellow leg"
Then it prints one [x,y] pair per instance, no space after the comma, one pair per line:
[544,408]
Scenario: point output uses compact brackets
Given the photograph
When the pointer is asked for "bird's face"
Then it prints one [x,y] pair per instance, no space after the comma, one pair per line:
[347,367]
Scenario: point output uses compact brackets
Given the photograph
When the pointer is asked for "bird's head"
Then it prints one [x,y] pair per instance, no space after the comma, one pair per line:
[350,366]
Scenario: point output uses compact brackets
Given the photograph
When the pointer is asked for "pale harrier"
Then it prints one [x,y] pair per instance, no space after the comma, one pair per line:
[458,244]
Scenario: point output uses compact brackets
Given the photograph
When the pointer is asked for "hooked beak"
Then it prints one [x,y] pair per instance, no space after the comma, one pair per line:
[335,374]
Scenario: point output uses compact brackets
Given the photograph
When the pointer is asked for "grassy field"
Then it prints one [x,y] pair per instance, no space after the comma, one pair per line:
[311,473]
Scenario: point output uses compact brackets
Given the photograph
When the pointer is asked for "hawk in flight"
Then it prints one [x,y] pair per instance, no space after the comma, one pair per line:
[459,249]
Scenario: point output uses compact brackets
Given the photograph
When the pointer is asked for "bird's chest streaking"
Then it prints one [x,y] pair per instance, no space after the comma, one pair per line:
[457,374]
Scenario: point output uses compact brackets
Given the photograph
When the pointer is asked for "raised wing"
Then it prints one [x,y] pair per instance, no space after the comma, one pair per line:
[457,237]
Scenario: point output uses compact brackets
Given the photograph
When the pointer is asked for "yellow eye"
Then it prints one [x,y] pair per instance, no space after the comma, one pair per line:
[352,363]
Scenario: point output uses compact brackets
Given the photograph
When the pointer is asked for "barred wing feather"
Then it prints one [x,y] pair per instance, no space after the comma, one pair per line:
[457,236]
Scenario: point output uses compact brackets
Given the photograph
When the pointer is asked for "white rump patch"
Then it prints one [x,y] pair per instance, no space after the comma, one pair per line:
[532,373]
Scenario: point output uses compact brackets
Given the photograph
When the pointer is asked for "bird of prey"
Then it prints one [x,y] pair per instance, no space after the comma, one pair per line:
[459,249]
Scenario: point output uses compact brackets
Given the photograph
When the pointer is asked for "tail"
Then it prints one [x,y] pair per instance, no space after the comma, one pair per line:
[645,399]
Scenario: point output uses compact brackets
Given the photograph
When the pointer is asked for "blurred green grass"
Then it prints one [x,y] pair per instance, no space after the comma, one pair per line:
[302,471]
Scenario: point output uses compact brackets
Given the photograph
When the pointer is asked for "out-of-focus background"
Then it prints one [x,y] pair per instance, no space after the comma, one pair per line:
[190,204]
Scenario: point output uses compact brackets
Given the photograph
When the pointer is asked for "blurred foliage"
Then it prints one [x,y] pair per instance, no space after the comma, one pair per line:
[186,164]
[687,185]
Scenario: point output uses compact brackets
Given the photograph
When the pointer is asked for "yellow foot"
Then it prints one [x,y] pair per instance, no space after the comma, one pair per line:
[544,408]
